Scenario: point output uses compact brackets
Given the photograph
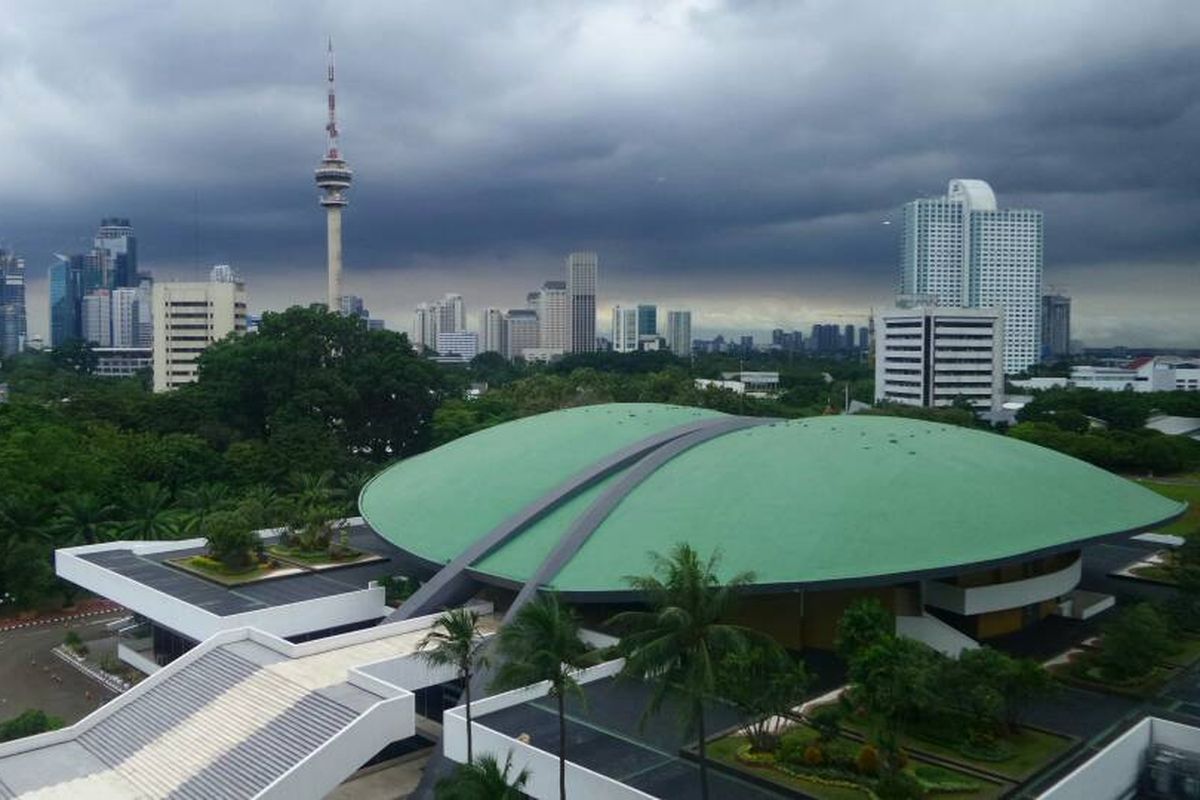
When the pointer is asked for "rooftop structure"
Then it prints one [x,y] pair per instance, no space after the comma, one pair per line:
[727,474]
[333,177]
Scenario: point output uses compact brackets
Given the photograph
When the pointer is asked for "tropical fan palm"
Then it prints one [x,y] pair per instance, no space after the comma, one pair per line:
[679,641]
[542,643]
[148,514]
[83,519]
[486,780]
[456,641]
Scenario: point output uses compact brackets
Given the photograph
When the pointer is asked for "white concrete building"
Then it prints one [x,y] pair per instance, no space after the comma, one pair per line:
[624,330]
[491,331]
[188,317]
[95,312]
[932,356]
[679,333]
[125,308]
[464,344]
[122,362]
[1149,374]
[964,251]
[553,308]
[582,280]
[521,332]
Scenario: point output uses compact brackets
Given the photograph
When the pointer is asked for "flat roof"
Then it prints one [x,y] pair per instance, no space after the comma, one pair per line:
[150,570]
[808,502]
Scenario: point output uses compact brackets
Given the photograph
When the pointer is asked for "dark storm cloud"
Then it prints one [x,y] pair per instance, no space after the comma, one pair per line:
[736,156]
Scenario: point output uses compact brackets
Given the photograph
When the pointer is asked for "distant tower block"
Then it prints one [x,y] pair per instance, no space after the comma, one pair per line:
[333,178]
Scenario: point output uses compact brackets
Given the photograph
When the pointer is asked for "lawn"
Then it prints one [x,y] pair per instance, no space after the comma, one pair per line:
[1189,653]
[317,558]
[1190,521]
[214,570]
[1031,750]
[725,751]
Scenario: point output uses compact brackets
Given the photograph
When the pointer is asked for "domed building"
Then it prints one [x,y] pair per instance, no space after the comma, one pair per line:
[982,530]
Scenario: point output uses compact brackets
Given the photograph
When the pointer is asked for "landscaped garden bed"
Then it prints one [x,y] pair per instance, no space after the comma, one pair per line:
[320,559]
[841,768]
[214,570]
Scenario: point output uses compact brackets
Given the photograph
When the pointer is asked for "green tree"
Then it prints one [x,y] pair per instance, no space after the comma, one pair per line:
[485,780]
[28,723]
[83,518]
[864,622]
[1137,639]
[892,680]
[678,642]
[764,683]
[455,640]
[542,643]
[148,514]
[229,540]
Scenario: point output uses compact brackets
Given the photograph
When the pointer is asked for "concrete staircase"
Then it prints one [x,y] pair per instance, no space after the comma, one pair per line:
[225,727]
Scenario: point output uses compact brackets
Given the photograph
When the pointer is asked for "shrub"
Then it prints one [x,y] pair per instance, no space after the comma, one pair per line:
[867,761]
[72,640]
[230,541]
[813,755]
[28,723]
[792,746]
[827,721]
[899,786]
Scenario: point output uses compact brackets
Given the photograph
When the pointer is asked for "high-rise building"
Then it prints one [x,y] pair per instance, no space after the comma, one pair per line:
[224,273]
[962,250]
[96,317]
[464,344]
[188,317]
[746,344]
[553,310]
[351,305]
[679,333]
[582,278]
[452,314]
[333,178]
[647,320]
[520,332]
[826,338]
[124,317]
[13,325]
[864,339]
[116,247]
[491,331]
[424,328]
[145,312]
[848,341]
[1056,327]
[934,356]
[66,292]
[624,330]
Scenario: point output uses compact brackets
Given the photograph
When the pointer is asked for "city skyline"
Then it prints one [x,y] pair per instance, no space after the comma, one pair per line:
[483,186]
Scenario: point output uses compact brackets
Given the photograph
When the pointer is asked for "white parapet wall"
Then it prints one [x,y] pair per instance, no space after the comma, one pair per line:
[582,783]
[1113,772]
[197,623]
[935,633]
[973,600]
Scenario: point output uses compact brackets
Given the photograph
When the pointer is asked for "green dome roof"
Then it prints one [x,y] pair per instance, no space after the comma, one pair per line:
[846,499]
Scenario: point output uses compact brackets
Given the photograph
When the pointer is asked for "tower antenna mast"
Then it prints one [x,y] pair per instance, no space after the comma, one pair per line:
[333,178]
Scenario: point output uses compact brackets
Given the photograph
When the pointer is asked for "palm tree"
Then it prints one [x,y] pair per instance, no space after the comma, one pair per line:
[202,500]
[83,518]
[541,643]
[148,514]
[486,780]
[456,641]
[680,640]
[313,490]
[262,507]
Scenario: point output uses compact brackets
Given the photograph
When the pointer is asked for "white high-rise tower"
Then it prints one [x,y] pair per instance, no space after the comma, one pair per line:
[962,250]
[333,177]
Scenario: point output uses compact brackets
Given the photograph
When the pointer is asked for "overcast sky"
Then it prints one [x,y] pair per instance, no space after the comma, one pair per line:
[743,159]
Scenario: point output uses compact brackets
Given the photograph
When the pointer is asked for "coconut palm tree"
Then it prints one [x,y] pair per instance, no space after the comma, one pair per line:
[678,642]
[83,519]
[486,780]
[542,643]
[148,514]
[456,641]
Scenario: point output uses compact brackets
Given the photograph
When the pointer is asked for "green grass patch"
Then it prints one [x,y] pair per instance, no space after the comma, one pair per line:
[1025,752]
[315,557]
[940,781]
[1189,653]
[1189,493]
[1089,677]
[214,570]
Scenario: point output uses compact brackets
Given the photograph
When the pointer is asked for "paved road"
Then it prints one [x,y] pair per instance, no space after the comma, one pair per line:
[32,677]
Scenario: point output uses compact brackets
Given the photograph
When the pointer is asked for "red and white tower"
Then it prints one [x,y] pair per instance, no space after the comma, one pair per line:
[333,178]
